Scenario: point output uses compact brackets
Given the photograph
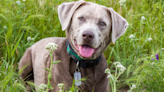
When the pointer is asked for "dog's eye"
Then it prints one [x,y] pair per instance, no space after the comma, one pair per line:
[81,18]
[101,23]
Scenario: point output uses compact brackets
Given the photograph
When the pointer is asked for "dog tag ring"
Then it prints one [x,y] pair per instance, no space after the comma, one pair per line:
[77,75]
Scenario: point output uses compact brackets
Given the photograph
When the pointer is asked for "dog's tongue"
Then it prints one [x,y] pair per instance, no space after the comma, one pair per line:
[86,51]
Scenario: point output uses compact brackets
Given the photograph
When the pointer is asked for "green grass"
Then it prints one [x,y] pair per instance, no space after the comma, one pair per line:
[31,19]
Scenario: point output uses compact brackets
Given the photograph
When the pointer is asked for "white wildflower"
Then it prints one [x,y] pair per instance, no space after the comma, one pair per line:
[29,38]
[149,39]
[162,48]
[131,36]
[122,2]
[133,87]
[107,71]
[18,2]
[23,0]
[42,86]
[120,66]
[152,63]
[143,18]
[116,63]
[60,85]
[51,46]
[5,27]
[122,70]
[110,76]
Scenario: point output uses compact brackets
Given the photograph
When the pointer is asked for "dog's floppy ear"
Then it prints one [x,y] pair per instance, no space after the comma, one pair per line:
[119,24]
[66,11]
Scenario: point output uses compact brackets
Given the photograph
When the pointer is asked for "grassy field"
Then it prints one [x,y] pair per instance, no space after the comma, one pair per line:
[137,49]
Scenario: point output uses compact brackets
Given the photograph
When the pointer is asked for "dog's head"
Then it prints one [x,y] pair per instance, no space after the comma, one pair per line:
[90,27]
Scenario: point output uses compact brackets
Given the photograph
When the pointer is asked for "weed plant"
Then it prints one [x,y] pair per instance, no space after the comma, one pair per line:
[136,49]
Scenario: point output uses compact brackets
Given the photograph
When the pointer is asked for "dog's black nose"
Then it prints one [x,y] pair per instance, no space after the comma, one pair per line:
[88,35]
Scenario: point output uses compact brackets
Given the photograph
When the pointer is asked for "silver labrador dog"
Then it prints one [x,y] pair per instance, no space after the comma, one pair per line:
[89,28]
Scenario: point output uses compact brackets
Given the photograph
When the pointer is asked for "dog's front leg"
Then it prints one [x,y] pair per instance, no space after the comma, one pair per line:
[102,85]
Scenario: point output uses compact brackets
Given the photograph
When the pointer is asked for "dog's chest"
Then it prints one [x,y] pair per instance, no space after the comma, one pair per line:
[87,73]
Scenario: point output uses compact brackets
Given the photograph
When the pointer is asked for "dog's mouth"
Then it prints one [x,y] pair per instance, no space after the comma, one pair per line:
[85,50]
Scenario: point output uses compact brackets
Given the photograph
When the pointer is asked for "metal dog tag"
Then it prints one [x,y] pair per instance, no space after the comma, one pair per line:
[77,77]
